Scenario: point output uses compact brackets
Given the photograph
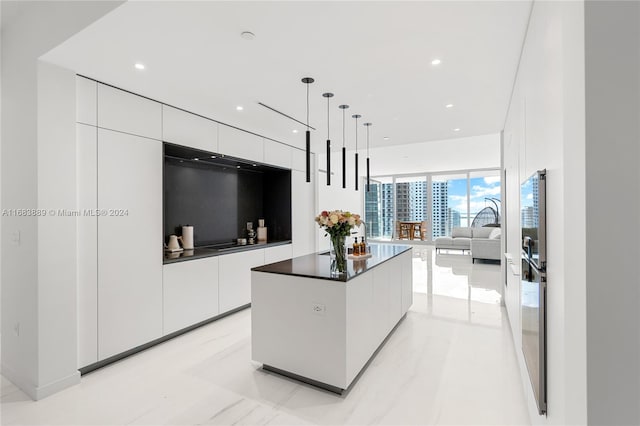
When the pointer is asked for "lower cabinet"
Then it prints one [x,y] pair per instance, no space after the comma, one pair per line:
[235,278]
[278,253]
[190,293]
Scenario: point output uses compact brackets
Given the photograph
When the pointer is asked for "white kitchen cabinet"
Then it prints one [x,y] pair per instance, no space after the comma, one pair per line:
[303,226]
[188,129]
[277,154]
[86,101]
[298,159]
[407,281]
[130,242]
[277,253]
[235,278]
[87,243]
[125,112]
[190,290]
[237,143]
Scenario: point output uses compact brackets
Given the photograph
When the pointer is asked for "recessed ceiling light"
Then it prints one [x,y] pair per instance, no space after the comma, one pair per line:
[295,130]
[213,156]
[448,106]
[457,129]
[239,108]
[247,35]
[254,165]
[436,62]
[196,159]
[386,138]
[139,66]
[237,167]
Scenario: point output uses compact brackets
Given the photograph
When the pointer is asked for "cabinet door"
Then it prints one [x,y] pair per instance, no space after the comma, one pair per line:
[303,226]
[125,112]
[86,101]
[407,281]
[235,278]
[87,243]
[190,292]
[188,129]
[237,143]
[278,253]
[129,245]
[298,159]
[277,154]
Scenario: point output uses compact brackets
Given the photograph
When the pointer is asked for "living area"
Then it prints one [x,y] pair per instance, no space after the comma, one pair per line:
[451,201]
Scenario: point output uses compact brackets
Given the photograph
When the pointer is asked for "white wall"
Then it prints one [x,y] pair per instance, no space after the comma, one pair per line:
[545,129]
[612,41]
[30,356]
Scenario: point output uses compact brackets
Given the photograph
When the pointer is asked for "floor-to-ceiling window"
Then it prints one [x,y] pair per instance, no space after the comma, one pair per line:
[442,200]
[484,197]
[379,208]
[449,206]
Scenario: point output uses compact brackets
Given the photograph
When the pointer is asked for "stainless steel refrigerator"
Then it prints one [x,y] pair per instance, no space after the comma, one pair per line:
[533,296]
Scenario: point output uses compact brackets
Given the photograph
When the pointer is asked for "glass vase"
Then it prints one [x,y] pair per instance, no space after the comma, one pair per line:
[338,252]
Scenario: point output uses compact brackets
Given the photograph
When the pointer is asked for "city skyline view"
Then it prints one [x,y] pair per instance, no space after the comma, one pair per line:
[407,199]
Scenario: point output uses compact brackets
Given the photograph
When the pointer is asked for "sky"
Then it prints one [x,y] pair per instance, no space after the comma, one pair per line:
[481,188]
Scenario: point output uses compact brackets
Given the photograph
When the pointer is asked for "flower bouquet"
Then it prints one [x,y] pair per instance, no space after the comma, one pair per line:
[338,224]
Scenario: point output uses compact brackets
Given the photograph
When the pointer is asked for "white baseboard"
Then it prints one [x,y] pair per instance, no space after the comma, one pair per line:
[39,392]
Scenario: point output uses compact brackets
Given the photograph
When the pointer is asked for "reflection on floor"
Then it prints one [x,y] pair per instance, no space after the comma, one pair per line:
[451,361]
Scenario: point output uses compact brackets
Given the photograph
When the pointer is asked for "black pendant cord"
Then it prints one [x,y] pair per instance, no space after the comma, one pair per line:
[307,81]
[368,170]
[356,116]
[328,96]
[344,148]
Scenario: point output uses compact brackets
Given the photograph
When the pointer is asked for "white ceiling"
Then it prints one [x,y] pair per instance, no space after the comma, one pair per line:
[375,56]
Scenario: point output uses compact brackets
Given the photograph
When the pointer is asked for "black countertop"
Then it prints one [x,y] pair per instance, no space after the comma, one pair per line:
[318,265]
[209,251]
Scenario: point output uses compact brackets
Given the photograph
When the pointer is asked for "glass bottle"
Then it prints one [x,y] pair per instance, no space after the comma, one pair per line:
[362,247]
[356,247]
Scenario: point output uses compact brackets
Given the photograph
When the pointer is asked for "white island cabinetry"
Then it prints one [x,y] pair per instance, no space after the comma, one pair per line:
[323,329]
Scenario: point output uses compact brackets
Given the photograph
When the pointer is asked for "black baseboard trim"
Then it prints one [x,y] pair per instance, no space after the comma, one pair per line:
[115,358]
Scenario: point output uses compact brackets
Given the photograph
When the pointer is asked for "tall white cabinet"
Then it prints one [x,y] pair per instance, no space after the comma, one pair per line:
[126,296]
[129,241]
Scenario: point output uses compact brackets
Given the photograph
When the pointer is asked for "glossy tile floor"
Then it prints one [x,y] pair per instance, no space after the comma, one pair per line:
[450,361]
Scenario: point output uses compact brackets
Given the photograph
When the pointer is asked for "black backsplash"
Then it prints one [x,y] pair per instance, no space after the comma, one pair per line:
[219,201]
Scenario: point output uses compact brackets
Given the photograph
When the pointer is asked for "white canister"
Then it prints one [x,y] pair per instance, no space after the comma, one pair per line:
[187,237]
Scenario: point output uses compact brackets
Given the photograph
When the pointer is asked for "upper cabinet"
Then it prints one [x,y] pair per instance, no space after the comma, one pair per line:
[183,128]
[298,159]
[86,101]
[125,112]
[238,143]
[277,154]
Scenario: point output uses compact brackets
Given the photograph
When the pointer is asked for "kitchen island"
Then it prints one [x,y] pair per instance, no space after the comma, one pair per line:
[321,328]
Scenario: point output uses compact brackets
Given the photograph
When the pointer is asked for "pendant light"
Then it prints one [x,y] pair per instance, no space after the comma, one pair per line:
[344,149]
[356,116]
[367,125]
[328,96]
[308,81]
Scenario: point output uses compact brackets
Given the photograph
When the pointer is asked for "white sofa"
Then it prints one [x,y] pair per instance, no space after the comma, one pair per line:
[484,243]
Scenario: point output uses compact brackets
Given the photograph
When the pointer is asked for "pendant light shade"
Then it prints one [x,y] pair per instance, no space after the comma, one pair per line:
[356,116]
[328,96]
[308,81]
[344,149]
[368,125]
